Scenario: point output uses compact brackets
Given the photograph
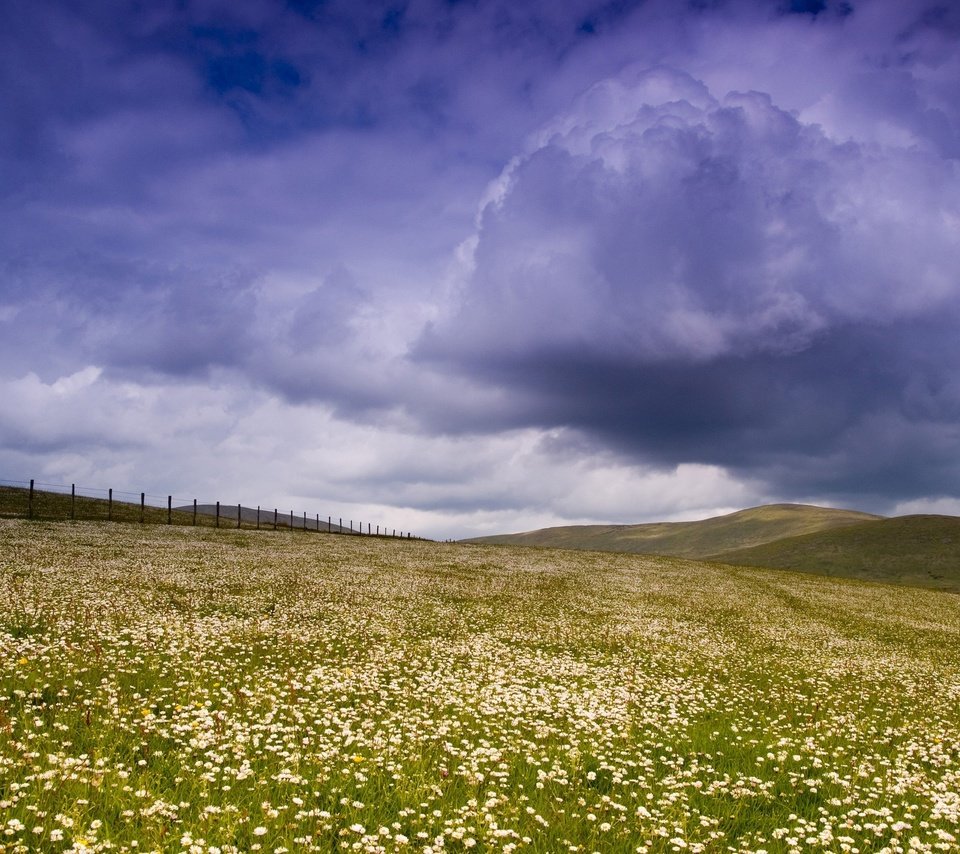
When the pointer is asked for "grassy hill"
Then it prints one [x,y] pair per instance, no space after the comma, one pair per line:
[57,505]
[248,518]
[707,537]
[923,550]
[238,690]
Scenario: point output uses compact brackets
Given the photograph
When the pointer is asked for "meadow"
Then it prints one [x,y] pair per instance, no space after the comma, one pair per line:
[168,689]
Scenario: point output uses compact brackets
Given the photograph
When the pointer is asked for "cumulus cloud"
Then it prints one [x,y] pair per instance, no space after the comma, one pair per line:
[99,431]
[715,245]
[712,279]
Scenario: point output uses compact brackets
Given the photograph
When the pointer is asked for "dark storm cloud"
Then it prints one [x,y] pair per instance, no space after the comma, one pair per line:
[723,232]
[693,279]
[151,154]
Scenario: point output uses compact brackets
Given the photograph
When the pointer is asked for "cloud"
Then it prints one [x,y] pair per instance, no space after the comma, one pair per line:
[728,262]
[710,279]
[99,431]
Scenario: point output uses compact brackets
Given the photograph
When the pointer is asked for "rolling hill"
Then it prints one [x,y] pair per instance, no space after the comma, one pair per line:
[249,516]
[704,538]
[916,550]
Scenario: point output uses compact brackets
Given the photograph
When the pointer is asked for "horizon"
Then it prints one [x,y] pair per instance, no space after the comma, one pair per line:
[472,268]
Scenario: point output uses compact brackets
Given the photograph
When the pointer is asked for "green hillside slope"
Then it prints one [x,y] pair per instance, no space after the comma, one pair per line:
[919,550]
[47,505]
[391,691]
[707,537]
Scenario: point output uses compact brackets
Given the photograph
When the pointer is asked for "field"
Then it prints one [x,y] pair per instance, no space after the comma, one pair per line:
[916,550]
[703,539]
[920,550]
[167,689]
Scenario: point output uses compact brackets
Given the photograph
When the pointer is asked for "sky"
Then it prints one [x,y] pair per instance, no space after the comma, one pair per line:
[464,267]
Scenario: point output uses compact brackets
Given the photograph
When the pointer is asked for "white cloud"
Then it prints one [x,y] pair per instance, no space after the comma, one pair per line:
[241,446]
[943,506]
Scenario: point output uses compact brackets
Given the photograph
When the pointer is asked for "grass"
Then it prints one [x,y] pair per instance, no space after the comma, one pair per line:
[920,550]
[15,503]
[166,688]
[700,539]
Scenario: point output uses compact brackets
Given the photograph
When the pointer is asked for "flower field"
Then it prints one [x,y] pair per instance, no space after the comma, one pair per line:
[168,689]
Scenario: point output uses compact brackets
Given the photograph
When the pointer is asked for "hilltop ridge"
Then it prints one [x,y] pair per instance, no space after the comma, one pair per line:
[918,550]
[703,538]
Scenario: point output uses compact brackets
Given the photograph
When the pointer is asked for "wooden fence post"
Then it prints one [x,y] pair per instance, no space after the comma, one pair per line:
[73,501]
[218,514]
[274,518]
[169,509]
[238,516]
[110,504]
[143,498]
[329,526]
[304,520]
[194,511]
[341,526]
[351,526]
[318,523]
[30,501]
[258,517]
[291,520]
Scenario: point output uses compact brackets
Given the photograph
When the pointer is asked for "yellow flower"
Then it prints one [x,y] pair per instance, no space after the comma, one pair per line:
[357,757]
[24,661]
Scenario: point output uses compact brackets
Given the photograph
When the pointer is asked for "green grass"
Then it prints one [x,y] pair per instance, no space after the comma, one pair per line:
[918,550]
[14,502]
[698,539]
[48,505]
[166,688]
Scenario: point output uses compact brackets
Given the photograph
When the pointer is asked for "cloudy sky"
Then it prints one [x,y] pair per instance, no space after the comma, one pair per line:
[486,265]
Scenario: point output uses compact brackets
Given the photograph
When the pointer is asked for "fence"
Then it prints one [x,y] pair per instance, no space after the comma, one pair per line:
[52,501]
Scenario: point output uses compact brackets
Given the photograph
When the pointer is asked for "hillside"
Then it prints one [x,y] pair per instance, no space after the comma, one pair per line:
[703,538]
[48,505]
[249,517]
[394,690]
[918,550]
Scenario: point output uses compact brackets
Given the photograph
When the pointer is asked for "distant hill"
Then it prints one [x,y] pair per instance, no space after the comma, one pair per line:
[704,538]
[918,550]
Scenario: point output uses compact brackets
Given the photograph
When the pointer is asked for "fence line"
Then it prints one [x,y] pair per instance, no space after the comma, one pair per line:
[52,501]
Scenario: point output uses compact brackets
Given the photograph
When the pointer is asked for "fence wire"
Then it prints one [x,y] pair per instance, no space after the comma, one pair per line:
[39,500]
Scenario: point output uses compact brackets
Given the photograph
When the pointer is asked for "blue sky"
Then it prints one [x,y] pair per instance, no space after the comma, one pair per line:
[471,267]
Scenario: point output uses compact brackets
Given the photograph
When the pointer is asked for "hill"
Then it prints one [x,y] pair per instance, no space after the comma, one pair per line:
[50,505]
[704,538]
[250,516]
[581,700]
[917,550]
